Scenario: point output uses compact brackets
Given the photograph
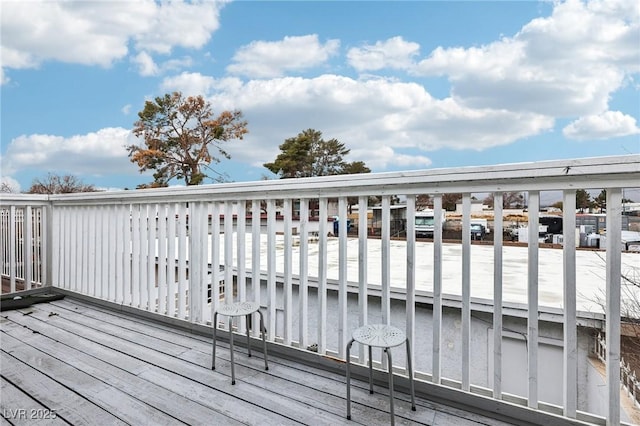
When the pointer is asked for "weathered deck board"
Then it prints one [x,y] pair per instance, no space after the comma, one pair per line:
[155,396]
[201,373]
[128,354]
[273,391]
[326,394]
[92,365]
[111,399]
[323,393]
[23,410]
[73,408]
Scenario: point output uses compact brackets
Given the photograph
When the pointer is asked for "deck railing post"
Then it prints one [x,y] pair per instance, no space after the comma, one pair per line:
[271,270]
[322,276]
[303,290]
[613,277]
[410,306]
[363,304]
[287,290]
[343,331]
[497,294]
[52,244]
[256,223]
[570,351]
[437,290]
[385,273]
[532,296]
[13,249]
[466,293]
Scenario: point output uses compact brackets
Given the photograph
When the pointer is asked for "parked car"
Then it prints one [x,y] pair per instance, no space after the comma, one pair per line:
[478,231]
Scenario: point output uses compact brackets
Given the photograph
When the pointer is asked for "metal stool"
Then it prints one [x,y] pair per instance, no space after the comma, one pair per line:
[386,337]
[236,310]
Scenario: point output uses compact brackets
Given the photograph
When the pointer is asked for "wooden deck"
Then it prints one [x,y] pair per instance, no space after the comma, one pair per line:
[85,365]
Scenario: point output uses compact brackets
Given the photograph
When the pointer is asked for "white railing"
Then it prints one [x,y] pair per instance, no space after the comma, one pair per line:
[160,250]
[23,231]
[628,377]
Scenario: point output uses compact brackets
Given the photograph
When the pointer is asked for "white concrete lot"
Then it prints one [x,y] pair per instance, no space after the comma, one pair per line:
[590,269]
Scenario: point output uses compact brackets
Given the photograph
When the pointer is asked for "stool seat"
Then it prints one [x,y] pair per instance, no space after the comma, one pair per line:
[238,309]
[380,336]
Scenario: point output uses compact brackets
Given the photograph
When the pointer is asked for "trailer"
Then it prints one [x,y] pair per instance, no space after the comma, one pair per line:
[425,223]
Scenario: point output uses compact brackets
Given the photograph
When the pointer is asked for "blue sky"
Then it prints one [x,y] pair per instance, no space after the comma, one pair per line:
[405,85]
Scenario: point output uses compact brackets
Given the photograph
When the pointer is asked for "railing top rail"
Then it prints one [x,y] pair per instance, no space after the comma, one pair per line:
[23,199]
[596,172]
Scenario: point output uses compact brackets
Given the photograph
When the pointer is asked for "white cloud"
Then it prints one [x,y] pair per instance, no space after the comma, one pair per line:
[179,23]
[99,153]
[264,59]
[146,66]
[392,53]
[190,84]
[3,77]
[78,32]
[99,33]
[11,183]
[564,65]
[610,124]
[401,117]
[379,159]
[176,64]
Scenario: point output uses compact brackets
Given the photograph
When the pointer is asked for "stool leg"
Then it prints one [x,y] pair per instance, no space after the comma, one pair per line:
[264,341]
[390,386]
[370,371]
[248,338]
[233,372]
[215,329]
[349,379]
[410,367]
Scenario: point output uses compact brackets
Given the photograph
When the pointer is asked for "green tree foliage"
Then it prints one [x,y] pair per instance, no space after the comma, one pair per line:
[309,155]
[57,184]
[179,134]
[583,200]
[355,167]
[600,201]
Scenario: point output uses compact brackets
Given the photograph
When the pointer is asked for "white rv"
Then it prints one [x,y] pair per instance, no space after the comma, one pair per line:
[483,222]
[425,221]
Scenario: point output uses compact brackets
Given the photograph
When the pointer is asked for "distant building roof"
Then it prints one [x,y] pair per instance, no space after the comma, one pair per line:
[590,270]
